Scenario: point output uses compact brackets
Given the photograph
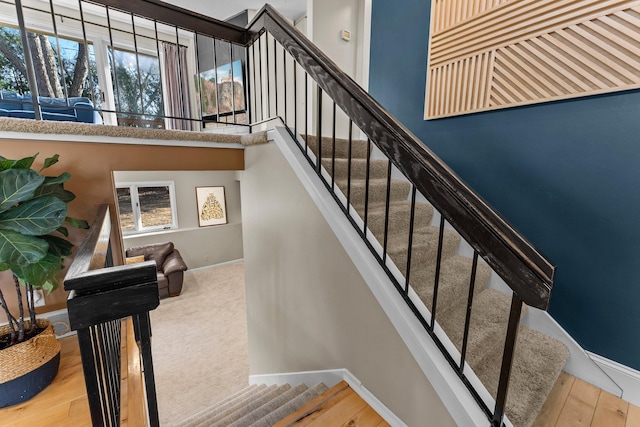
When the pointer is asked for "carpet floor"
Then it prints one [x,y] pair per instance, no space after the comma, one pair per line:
[200,353]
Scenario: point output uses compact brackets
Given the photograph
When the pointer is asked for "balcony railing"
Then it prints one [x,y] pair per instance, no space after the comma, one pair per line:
[144,67]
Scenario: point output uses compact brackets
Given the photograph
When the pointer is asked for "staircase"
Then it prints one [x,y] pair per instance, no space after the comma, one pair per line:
[284,405]
[538,358]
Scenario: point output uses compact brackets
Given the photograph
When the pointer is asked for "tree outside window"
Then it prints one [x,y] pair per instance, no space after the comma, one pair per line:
[75,69]
[137,88]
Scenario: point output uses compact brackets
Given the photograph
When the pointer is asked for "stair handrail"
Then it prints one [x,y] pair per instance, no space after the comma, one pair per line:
[101,296]
[523,267]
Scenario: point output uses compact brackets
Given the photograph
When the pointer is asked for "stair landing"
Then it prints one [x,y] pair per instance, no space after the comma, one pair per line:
[573,402]
[338,406]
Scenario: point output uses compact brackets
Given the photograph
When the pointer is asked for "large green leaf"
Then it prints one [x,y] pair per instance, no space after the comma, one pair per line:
[25,163]
[42,274]
[17,185]
[50,161]
[77,223]
[55,190]
[35,217]
[6,164]
[19,250]
[58,246]
[60,179]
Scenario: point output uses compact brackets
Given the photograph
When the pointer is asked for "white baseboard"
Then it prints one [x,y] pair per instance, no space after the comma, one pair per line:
[330,378]
[205,267]
[627,378]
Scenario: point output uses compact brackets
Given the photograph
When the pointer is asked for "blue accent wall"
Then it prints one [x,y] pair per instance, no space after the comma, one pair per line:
[566,174]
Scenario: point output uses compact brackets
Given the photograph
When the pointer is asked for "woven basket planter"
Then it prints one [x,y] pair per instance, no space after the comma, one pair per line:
[28,367]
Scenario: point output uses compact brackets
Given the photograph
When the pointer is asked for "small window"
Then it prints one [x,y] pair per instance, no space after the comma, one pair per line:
[146,206]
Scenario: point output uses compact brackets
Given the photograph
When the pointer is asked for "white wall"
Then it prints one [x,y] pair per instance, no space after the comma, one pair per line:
[308,307]
[199,246]
[326,21]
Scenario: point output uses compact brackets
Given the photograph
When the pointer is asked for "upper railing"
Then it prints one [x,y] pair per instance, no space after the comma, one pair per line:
[527,271]
[140,63]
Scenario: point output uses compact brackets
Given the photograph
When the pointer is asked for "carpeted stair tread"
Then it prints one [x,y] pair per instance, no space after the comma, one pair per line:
[488,326]
[453,283]
[250,406]
[222,407]
[358,147]
[377,168]
[377,191]
[237,394]
[399,219]
[537,364]
[424,246]
[291,406]
[270,406]
[238,404]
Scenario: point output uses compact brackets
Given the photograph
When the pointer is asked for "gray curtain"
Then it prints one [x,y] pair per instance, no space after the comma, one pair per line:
[176,82]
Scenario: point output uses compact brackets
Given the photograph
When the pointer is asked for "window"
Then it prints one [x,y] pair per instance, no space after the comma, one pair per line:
[137,88]
[146,206]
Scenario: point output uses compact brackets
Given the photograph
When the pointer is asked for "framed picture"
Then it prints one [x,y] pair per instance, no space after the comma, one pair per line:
[212,206]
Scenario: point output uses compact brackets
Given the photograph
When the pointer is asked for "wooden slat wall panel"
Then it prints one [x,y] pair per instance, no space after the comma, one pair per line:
[489,54]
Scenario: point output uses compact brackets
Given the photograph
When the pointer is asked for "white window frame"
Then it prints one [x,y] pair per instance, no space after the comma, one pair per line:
[135,206]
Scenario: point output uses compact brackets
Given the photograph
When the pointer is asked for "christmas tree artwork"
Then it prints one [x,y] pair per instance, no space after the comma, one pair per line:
[211,209]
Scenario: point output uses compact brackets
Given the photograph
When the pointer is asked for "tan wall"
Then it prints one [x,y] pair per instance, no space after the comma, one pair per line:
[308,307]
[91,165]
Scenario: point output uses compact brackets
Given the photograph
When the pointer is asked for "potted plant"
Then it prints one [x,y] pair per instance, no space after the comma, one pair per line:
[33,246]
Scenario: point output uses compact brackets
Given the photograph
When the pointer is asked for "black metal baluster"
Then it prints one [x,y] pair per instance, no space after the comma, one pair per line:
[109,378]
[275,73]
[436,283]
[319,131]
[284,72]
[507,359]
[143,327]
[90,376]
[467,322]
[366,187]
[233,86]
[295,100]
[198,87]
[106,374]
[86,47]
[333,150]
[386,214]
[180,80]
[135,49]
[215,76]
[155,27]
[31,74]
[410,247]
[260,77]
[268,77]
[62,68]
[306,113]
[247,78]
[349,166]
[118,105]
[99,374]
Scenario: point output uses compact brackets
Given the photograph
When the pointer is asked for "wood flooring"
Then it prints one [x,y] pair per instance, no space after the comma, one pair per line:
[338,406]
[572,402]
